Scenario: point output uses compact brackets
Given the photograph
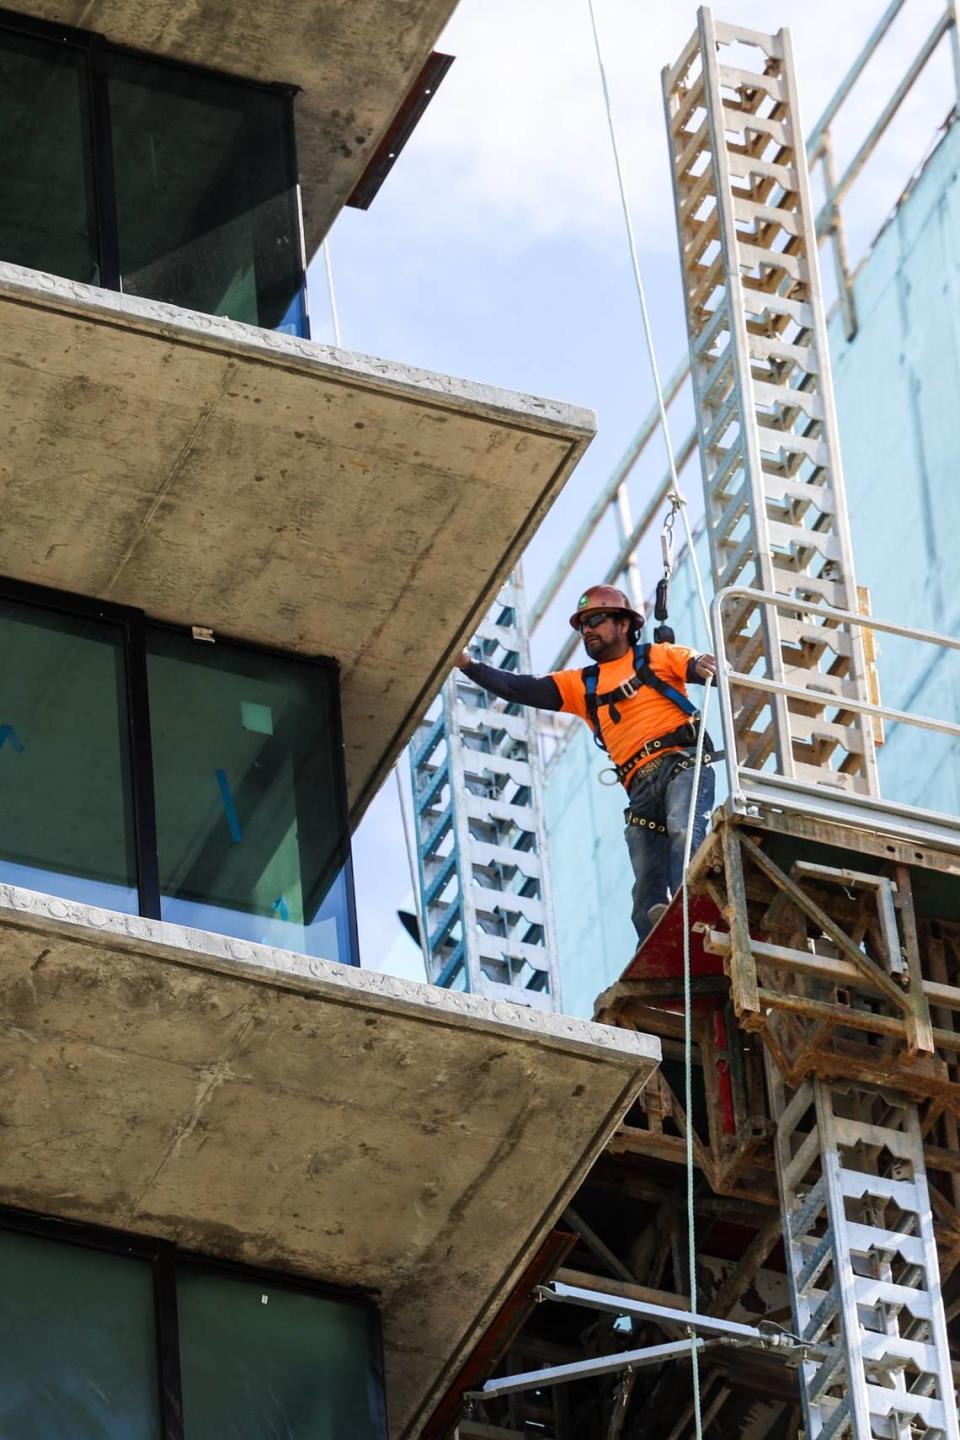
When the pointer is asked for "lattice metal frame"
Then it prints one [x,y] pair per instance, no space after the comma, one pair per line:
[862,1261]
[861,1253]
[478,811]
[767,427]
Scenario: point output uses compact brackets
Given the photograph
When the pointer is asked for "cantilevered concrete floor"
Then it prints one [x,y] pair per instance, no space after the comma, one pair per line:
[353,62]
[277,490]
[281,1111]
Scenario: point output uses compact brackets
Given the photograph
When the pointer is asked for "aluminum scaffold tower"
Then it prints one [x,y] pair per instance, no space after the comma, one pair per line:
[860,1249]
[478,819]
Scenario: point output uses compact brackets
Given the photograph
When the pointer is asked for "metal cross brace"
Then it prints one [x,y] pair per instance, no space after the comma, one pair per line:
[715,1332]
[587,1369]
[764,1337]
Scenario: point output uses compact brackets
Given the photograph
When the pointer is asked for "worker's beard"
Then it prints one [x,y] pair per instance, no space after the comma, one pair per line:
[613,650]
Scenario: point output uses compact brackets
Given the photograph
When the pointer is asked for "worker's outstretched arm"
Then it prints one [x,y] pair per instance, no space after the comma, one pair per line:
[539,691]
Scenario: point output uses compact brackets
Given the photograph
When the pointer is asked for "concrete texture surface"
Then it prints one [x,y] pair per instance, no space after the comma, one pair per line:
[283,1111]
[278,490]
[353,61]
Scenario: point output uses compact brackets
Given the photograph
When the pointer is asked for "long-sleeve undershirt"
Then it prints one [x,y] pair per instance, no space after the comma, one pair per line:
[539,691]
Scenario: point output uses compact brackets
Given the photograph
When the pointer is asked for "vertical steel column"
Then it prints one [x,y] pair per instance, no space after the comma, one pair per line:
[773,481]
[478,809]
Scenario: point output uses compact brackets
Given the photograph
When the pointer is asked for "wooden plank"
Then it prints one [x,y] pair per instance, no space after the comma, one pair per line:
[743,970]
[883,983]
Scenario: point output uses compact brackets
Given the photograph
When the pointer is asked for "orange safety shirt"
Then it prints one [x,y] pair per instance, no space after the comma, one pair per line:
[644,716]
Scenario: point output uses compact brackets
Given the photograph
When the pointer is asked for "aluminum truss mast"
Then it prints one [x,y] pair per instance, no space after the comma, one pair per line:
[859,1241]
[767,427]
[477,791]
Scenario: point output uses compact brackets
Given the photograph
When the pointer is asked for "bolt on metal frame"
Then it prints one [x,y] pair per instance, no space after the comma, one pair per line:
[480,838]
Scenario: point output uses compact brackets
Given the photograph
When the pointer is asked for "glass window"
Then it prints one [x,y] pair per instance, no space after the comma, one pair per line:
[47,208]
[77,1343]
[248,775]
[207,208]
[262,1362]
[64,758]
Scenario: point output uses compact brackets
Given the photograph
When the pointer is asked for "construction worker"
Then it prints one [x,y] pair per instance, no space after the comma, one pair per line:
[634,698]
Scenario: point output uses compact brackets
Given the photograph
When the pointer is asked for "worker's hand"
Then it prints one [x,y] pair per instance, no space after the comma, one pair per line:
[706,667]
[463,660]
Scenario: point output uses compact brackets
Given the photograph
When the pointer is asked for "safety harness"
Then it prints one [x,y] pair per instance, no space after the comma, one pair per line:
[685,735]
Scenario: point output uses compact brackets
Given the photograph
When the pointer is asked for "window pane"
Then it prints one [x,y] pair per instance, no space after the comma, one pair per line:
[77,1343]
[248,773]
[206,200]
[47,211]
[260,1362]
[64,780]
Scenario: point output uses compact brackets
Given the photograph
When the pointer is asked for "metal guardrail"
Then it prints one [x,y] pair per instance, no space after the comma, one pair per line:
[827,797]
[830,227]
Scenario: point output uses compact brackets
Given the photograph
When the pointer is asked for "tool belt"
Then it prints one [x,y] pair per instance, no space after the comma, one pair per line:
[684,736]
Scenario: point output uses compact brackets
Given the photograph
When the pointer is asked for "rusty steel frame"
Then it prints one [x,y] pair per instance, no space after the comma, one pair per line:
[854,1012]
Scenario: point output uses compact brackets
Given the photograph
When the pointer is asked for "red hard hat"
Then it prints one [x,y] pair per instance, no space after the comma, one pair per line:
[603,597]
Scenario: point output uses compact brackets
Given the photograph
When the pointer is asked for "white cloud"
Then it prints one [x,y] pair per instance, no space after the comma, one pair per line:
[515,146]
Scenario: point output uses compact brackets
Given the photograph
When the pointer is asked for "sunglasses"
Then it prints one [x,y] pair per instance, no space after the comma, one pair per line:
[590,622]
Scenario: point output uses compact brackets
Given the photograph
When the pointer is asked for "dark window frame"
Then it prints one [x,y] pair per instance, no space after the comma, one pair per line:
[97,50]
[134,626]
[164,1257]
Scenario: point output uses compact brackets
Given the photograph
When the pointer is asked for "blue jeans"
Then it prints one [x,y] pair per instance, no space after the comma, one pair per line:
[660,794]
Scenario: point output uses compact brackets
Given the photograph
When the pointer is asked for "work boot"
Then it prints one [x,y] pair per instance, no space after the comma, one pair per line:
[656,913]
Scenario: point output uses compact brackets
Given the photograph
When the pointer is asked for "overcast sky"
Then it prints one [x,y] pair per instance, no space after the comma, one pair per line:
[495,250]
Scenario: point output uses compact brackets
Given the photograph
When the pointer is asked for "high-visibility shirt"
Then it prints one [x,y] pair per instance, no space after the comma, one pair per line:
[643,717]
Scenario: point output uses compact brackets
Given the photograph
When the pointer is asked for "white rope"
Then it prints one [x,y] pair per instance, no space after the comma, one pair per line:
[331,292]
[414,875]
[688,1044]
[679,501]
[677,493]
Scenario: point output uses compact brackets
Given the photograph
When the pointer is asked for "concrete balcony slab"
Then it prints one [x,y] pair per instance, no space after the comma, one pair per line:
[280,491]
[282,1111]
[353,61]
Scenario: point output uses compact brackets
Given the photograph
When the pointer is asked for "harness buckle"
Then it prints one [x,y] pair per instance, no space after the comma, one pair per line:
[629,688]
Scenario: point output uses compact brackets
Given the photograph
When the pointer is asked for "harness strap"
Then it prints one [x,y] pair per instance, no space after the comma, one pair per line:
[643,675]
[685,735]
[647,824]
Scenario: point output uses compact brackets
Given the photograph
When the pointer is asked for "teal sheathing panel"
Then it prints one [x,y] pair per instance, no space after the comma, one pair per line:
[898,398]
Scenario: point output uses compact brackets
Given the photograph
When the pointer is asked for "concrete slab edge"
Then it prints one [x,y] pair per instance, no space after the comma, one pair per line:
[322,979]
[91,303]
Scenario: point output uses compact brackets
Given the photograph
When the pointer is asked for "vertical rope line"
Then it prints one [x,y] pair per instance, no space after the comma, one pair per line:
[688,1047]
[331,292]
[644,312]
[665,426]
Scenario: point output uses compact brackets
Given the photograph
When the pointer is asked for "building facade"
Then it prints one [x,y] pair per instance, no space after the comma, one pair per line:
[247,1188]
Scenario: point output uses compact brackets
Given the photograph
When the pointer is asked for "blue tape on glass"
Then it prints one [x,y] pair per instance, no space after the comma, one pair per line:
[7,732]
[226,794]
